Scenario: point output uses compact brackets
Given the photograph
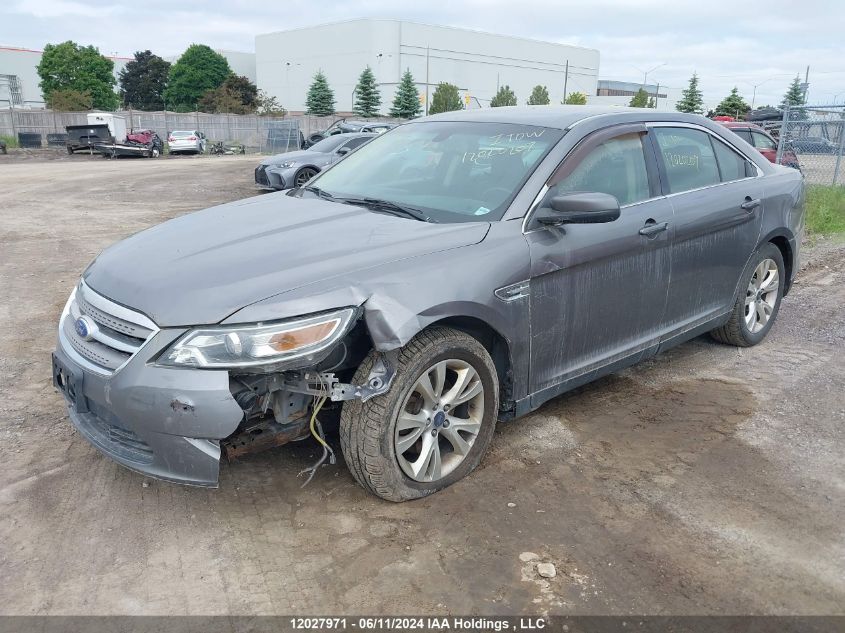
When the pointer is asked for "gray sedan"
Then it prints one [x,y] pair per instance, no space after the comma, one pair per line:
[294,169]
[457,270]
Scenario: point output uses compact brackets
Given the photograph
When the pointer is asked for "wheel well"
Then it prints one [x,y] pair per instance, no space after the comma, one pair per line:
[786,251]
[496,345]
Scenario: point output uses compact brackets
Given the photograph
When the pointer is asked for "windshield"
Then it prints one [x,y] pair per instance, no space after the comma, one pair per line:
[452,171]
[328,144]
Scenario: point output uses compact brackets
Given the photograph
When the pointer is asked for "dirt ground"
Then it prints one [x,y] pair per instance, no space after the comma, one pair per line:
[708,480]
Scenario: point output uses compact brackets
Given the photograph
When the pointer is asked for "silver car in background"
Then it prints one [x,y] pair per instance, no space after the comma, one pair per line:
[294,169]
[179,141]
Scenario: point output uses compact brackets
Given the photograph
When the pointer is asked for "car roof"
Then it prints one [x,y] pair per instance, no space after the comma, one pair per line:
[732,125]
[562,117]
[352,135]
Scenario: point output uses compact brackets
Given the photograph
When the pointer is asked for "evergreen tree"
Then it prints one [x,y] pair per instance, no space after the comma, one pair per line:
[504,97]
[692,100]
[406,102]
[445,99]
[575,98]
[732,105]
[652,103]
[237,95]
[197,71]
[320,100]
[539,96]
[639,100]
[143,80]
[794,95]
[77,70]
[367,95]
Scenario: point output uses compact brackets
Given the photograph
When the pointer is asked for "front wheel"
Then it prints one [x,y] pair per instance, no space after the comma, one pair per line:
[303,176]
[757,307]
[433,425]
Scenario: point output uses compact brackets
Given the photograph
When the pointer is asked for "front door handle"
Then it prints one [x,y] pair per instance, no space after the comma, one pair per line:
[652,228]
[749,204]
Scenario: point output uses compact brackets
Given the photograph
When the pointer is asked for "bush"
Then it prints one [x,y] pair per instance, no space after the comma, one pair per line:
[825,210]
[11,141]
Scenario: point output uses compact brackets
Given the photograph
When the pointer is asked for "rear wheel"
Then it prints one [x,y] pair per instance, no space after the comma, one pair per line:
[757,307]
[434,424]
[303,176]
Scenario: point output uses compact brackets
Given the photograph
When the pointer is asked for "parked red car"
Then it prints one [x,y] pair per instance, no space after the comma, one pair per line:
[765,144]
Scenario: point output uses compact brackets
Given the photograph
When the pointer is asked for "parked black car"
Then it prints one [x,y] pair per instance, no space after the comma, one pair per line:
[813,145]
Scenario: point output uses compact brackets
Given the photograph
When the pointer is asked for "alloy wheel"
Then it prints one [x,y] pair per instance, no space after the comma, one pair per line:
[762,295]
[439,420]
[304,176]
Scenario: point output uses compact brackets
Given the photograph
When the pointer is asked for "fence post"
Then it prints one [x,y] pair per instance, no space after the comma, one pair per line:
[782,135]
[12,119]
[841,145]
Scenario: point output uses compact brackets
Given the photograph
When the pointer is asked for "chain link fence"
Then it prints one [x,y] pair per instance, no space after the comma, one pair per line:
[815,137]
[258,134]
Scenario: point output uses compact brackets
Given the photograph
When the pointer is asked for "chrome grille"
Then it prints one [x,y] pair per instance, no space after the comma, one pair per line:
[118,332]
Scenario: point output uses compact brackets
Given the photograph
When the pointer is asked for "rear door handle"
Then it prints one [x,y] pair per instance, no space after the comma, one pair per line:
[652,228]
[749,204]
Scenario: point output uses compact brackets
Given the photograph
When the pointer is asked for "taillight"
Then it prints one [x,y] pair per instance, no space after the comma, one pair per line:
[170,139]
[192,138]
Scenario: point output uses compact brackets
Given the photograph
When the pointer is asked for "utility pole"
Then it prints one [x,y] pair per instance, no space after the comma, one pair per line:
[565,81]
[656,95]
[426,79]
[806,83]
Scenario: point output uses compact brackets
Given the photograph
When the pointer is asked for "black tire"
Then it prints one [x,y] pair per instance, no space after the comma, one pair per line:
[736,331]
[367,428]
[304,175]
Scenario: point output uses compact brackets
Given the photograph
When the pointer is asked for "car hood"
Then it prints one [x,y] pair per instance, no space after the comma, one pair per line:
[299,156]
[200,268]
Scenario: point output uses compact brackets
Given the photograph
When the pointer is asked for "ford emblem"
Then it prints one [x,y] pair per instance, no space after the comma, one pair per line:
[85,328]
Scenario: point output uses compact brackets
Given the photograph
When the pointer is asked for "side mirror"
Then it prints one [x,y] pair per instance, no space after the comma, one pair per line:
[343,151]
[579,207]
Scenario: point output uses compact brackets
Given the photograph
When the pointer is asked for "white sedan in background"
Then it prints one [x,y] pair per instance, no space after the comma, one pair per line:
[186,141]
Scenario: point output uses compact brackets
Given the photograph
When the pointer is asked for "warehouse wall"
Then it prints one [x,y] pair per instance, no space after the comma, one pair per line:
[476,62]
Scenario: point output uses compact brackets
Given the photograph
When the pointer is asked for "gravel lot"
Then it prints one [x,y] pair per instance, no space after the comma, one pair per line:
[708,480]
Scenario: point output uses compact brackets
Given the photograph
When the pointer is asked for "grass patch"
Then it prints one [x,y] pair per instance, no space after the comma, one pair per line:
[825,210]
[11,141]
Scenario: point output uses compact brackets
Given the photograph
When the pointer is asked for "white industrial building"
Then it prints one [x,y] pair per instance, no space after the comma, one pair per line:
[476,62]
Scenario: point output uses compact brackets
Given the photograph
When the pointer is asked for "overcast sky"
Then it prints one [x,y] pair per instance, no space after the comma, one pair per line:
[764,43]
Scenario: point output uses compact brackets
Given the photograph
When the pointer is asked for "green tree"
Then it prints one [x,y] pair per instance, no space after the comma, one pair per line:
[69,66]
[268,105]
[406,101]
[794,95]
[539,96]
[691,98]
[732,105]
[639,100]
[367,95]
[197,71]
[504,97]
[70,101]
[575,98]
[652,102]
[143,80]
[445,99]
[237,95]
[320,100]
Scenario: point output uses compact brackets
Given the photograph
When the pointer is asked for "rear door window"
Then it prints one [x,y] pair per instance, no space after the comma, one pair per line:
[745,135]
[688,158]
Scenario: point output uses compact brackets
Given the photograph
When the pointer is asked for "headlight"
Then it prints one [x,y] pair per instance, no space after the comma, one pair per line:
[253,345]
[289,163]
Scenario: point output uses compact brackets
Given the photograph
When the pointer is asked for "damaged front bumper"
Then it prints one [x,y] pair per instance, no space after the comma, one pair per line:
[165,423]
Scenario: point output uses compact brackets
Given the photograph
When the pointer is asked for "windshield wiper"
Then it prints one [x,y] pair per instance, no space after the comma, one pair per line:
[389,207]
[325,195]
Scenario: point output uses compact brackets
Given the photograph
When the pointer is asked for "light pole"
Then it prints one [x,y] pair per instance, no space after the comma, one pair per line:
[646,73]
